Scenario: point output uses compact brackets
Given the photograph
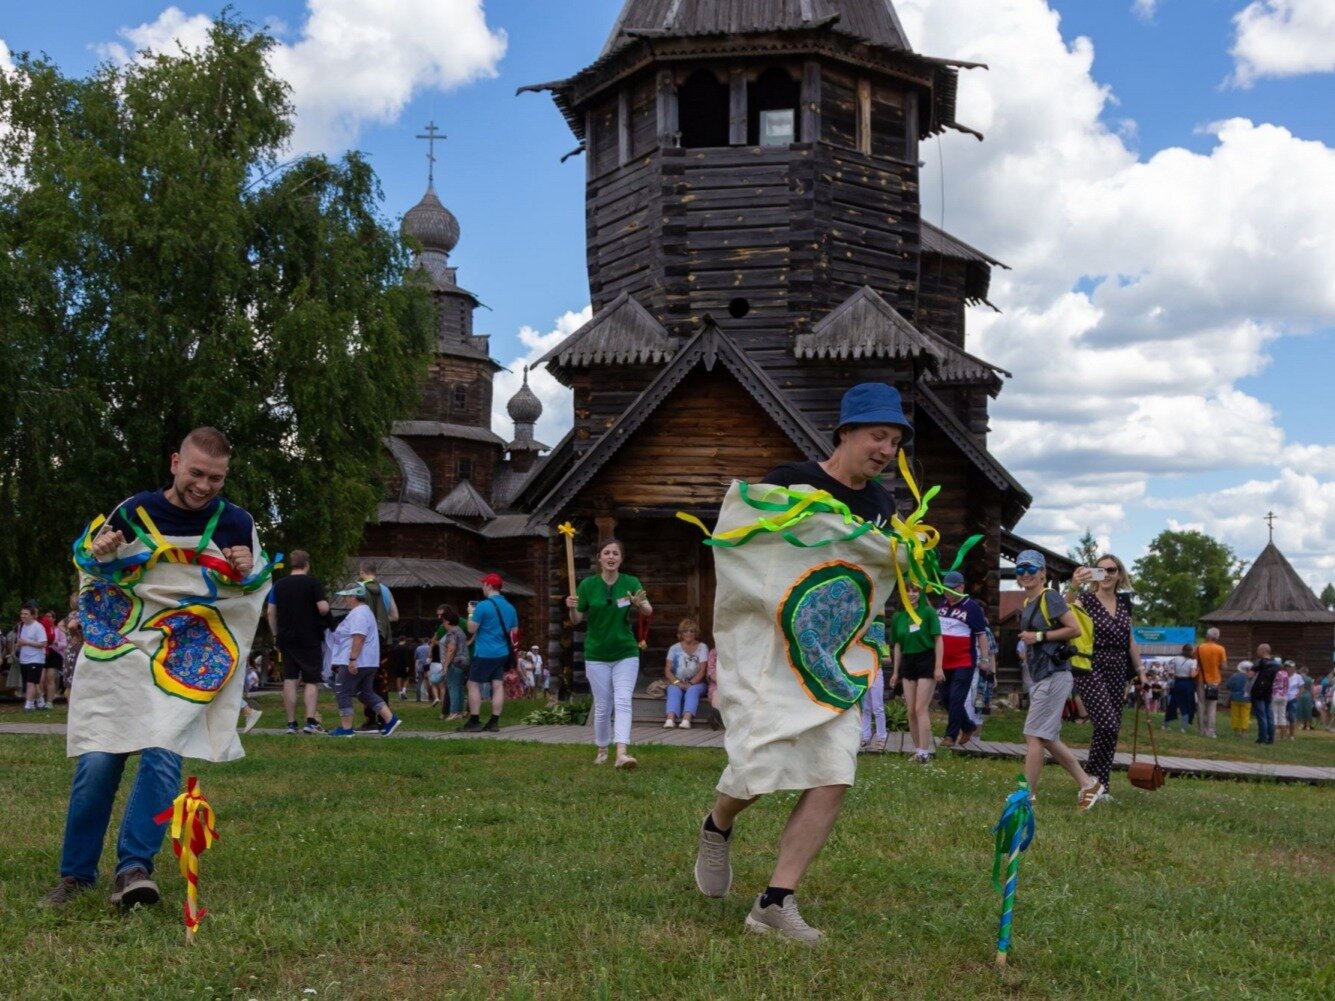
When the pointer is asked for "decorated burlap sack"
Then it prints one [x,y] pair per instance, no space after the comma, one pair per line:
[166,632]
[800,633]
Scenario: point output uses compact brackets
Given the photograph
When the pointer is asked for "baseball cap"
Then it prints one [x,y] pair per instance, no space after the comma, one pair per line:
[954,579]
[493,581]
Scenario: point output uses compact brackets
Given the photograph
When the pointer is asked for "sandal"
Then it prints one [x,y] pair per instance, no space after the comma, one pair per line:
[601,757]
[879,746]
[625,761]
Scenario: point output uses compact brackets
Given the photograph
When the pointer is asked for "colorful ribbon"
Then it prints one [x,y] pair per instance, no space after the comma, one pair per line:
[190,814]
[1014,831]
[786,509]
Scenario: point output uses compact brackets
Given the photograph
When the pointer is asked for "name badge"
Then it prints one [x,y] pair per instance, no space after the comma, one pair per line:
[623,602]
[913,627]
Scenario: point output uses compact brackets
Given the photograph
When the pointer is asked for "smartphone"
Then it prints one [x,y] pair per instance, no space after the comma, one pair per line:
[1097,573]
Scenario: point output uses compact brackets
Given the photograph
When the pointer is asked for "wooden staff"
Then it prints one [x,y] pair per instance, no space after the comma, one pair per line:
[568,530]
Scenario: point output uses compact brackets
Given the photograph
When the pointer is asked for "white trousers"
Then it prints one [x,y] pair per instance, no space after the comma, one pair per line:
[612,684]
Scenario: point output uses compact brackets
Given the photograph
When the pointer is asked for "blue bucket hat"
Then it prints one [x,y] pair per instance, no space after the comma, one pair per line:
[872,403]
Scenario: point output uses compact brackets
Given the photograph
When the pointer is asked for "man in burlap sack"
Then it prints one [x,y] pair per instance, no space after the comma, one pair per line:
[171,592]
[795,629]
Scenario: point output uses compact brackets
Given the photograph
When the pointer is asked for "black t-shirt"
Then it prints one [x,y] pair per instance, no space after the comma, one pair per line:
[235,526]
[300,624]
[872,503]
[1264,685]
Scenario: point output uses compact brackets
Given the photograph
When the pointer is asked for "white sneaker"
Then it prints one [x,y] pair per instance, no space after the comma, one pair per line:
[684,724]
[785,920]
[713,863]
[669,723]
[251,720]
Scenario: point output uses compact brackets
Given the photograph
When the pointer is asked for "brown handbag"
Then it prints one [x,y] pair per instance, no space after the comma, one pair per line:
[1145,774]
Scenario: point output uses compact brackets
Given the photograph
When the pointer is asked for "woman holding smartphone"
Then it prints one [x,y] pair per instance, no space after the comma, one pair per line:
[1103,689]
[611,652]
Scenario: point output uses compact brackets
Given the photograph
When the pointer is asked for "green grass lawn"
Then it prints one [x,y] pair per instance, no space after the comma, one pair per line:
[405,868]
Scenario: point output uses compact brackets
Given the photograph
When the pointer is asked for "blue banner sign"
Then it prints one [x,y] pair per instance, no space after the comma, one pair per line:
[1178,635]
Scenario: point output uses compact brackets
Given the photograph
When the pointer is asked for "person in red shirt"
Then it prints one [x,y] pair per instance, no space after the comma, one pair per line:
[963,628]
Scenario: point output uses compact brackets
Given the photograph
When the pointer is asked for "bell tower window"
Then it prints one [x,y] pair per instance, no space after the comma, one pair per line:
[465,469]
[459,397]
[772,102]
[702,108]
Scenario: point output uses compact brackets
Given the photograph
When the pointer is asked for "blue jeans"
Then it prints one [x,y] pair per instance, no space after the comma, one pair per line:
[1181,701]
[97,776]
[958,682]
[455,676]
[691,696]
[1265,720]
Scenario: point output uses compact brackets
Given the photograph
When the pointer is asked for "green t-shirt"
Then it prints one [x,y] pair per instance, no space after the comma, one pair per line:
[607,633]
[913,638]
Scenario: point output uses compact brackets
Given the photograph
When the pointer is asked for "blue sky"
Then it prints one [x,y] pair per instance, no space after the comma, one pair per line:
[1170,315]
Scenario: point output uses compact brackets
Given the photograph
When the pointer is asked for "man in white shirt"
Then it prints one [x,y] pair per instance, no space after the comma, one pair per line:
[31,643]
[355,662]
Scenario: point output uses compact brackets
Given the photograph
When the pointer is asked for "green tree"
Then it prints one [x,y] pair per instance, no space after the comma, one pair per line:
[1328,596]
[1182,577]
[162,270]
[1086,552]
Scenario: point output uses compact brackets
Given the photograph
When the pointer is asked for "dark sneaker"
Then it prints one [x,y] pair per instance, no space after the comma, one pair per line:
[785,920]
[713,864]
[493,726]
[393,724]
[135,886]
[472,726]
[291,728]
[312,727]
[63,892]
[369,728]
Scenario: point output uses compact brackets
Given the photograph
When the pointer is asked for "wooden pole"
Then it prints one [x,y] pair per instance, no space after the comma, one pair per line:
[568,531]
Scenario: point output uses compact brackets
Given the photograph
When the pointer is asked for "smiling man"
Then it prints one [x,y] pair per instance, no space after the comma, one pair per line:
[790,724]
[169,603]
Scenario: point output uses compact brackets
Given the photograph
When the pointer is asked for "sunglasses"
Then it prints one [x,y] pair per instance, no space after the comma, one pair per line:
[1026,570]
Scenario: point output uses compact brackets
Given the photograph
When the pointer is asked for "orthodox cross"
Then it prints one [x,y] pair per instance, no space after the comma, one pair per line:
[1269,519]
[431,135]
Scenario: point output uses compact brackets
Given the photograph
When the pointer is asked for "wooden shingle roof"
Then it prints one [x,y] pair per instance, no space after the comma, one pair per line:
[464,501]
[622,333]
[978,266]
[866,326]
[873,21]
[416,476]
[1271,591]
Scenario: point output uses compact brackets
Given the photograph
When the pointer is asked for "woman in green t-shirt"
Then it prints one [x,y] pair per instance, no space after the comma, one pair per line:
[611,653]
[917,651]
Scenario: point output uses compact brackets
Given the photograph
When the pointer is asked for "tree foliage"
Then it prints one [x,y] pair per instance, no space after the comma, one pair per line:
[1183,576]
[161,271]
[1328,595]
[1086,552]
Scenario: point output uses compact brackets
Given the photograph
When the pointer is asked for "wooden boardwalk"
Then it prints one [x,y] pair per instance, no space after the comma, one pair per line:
[703,736]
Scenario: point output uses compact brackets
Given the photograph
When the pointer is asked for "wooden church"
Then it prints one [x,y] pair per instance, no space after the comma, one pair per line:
[755,247]
[1273,605]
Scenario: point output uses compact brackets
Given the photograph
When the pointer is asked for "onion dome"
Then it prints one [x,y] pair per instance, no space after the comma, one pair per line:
[524,407]
[431,224]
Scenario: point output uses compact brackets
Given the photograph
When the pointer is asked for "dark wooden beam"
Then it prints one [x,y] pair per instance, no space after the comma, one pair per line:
[810,101]
[737,108]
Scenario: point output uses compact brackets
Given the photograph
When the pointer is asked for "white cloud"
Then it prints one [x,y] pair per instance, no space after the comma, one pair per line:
[1198,262]
[1278,38]
[172,31]
[355,61]
[556,399]
[6,59]
[1145,9]
[1304,526]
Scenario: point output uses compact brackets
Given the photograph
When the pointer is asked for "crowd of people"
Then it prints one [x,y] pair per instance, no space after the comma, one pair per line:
[785,702]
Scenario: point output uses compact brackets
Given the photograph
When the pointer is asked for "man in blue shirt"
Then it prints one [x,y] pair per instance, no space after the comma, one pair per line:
[494,625]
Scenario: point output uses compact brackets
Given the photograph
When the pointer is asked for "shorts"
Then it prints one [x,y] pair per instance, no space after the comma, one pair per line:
[400,670]
[484,669]
[917,666]
[1047,699]
[436,674]
[306,663]
[32,673]
[54,660]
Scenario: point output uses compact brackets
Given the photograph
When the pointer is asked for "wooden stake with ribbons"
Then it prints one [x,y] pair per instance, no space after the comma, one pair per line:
[567,530]
[193,832]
